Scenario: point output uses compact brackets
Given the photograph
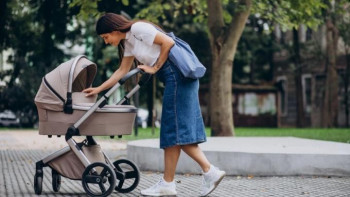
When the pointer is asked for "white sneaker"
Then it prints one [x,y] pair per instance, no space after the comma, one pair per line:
[162,188]
[211,179]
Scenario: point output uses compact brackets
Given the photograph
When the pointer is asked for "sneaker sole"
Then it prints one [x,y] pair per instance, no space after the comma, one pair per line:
[216,184]
[160,195]
[163,195]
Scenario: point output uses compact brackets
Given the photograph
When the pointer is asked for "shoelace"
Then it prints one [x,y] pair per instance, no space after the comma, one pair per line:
[156,185]
[204,182]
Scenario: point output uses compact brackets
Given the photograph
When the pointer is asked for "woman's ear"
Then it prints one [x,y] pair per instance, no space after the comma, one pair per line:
[119,34]
[116,32]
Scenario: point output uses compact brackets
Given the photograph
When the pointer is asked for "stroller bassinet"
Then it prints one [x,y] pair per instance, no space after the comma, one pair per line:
[53,99]
[64,110]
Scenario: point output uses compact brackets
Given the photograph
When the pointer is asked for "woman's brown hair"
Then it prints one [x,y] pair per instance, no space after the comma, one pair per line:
[110,22]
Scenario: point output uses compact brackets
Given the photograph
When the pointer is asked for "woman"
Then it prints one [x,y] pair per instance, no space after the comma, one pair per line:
[182,125]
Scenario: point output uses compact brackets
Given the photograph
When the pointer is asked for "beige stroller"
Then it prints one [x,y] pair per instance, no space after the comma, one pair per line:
[64,110]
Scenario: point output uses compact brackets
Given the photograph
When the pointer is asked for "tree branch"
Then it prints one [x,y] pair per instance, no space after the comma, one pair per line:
[215,17]
[236,27]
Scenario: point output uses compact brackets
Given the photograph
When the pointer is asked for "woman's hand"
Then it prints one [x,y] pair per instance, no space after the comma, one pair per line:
[148,69]
[91,91]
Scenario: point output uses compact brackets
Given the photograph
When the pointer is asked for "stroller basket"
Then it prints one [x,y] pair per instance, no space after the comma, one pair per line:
[69,165]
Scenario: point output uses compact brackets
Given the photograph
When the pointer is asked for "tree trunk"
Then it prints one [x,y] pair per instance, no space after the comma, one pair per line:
[330,105]
[297,77]
[150,101]
[19,62]
[3,12]
[223,42]
[221,97]
[346,87]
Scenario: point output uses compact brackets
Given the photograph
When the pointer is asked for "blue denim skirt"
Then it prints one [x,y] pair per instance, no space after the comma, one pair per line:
[181,121]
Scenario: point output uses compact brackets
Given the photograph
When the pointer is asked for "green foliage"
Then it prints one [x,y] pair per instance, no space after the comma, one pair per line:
[291,13]
[156,13]
[34,31]
[253,62]
[159,11]
[344,22]
[288,13]
[90,8]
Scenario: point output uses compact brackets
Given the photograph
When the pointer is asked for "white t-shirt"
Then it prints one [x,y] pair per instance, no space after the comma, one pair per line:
[139,43]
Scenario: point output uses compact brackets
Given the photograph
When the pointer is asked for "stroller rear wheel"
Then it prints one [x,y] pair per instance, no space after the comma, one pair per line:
[93,179]
[128,175]
[56,180]
[38,183]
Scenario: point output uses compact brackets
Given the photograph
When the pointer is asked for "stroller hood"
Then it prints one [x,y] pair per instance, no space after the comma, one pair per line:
[72,76]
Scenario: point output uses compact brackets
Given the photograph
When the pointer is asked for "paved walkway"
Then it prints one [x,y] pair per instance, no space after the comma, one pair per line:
[20,150]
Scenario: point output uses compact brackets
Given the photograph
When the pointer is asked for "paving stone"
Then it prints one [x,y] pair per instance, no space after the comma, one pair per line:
[18,168]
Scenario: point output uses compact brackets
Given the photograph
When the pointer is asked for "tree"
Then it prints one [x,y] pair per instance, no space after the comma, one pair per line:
[337,24]
[344,32]
[224,39]
[296,57]
[330,104]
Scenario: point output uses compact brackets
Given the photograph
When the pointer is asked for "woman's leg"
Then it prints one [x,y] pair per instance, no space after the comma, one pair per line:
[197,154]
[171,157]
[212,176]
[166,186]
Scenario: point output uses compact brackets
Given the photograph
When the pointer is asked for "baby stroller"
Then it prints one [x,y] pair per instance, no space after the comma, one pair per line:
[64,110]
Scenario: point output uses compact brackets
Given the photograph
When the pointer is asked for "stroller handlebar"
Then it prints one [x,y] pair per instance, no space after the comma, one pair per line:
[130,74]
[145,77]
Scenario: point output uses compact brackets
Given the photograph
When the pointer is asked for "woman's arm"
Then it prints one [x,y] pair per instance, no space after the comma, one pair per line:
[116,76]
[165,43]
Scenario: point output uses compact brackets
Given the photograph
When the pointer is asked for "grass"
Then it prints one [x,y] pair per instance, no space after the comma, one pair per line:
[332,134]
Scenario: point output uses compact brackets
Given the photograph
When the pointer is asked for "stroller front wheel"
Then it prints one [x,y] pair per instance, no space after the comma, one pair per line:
[94,177]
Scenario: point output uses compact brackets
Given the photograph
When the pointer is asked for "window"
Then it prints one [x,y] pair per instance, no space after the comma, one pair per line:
[308,34]
[283,98]
[307,87]
[254,104]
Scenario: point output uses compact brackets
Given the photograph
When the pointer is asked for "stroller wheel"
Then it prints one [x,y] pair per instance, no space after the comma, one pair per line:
[93,179]
[128,175]
[38,183]
[56,181]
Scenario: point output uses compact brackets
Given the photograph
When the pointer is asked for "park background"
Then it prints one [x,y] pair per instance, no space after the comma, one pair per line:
[272,66]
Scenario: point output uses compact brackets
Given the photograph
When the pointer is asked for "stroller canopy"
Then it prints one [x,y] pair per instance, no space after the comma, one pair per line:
[72,76]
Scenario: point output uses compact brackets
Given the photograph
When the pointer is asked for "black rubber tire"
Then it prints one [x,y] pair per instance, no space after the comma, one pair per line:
[56,181]
[91,180]
[132,176]
[38,183]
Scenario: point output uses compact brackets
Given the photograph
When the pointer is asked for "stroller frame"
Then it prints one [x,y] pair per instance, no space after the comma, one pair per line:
[110,171]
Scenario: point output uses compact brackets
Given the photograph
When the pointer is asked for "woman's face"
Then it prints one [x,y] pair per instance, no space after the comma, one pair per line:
[113,38]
